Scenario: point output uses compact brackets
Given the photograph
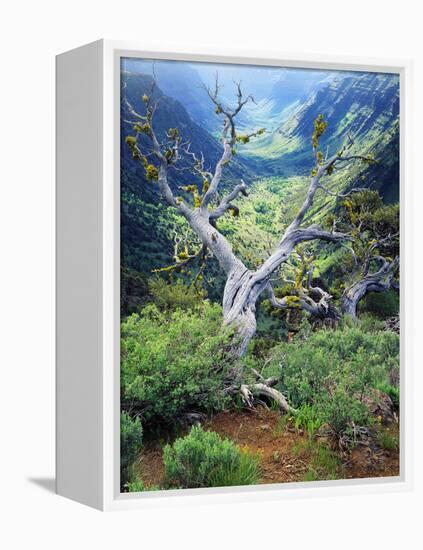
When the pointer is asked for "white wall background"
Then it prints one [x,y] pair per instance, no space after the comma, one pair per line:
[31,34]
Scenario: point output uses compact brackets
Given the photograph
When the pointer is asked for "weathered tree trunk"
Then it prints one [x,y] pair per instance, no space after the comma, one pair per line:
[351,297]
[245,326]
[380,281]
[260,389]
[239,308]
[239,299]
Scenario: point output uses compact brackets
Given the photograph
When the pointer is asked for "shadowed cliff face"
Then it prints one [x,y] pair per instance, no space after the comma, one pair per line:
[365,106]
[181,82]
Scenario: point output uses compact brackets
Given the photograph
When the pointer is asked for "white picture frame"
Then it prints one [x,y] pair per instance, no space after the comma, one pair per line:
[88,261]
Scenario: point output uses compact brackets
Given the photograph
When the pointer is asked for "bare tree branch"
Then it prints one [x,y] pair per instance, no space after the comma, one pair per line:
[226,203]
[162,175]
[228,137]
[319,307]
[341,195]
[379,281]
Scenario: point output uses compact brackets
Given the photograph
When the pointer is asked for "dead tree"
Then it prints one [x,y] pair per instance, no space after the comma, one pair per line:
[243,285]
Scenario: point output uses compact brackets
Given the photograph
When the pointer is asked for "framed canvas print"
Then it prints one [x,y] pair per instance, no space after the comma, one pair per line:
[230,275]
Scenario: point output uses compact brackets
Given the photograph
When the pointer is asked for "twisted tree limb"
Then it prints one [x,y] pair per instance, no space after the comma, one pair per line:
[379,281]
[226,203]
[249,391]
[264,388]
[320,306]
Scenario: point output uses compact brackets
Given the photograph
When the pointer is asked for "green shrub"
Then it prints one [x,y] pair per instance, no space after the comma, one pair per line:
[307,417]
[174,363]
[383,304]
[323,463]
[343,411]
[281,424]
[392,391]
[367,322]
[327,375]
[338,410]
[326,463]
[204,459]
[311,475]
[387,440]
[136,485]
[175,295]
[130,443]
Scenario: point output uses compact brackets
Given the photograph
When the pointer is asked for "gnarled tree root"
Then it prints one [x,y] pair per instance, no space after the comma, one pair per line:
[250,391]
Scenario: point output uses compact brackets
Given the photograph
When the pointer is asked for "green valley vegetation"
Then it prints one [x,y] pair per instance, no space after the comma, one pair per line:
[259,276]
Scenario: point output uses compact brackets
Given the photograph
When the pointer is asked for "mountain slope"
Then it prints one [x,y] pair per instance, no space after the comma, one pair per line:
[366,106]
[170,114]
[181,82]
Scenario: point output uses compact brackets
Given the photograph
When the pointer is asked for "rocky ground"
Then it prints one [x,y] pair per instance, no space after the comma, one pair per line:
[288,454]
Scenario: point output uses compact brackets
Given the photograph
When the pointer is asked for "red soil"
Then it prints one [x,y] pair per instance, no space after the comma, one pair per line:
[285,455]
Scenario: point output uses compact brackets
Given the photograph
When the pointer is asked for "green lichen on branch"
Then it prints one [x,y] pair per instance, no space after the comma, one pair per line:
[245,138]
[173,133]
[143,128]
[293,301]
[183,254]
[151,172]
[206,185]
[131,141]
[169,154]
[320,125]
[193,190]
